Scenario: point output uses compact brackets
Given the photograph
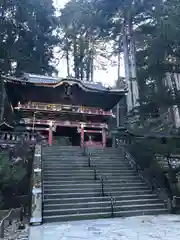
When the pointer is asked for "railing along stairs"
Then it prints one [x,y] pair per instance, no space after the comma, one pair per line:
[98,175]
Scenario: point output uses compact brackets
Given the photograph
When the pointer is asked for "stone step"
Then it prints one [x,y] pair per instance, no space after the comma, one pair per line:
[84,170]
[54,155]
[80,167]
[72,195]
[63,153]
[106,156]
[69,177]
[119,171]
[85,163]
[140,212]
[132,192]
[92,185]
[116,163]
[100,204]
[75,181]
[105,153]
[143,201]
[82,160]
[59,146]
[96,194]
[66,161]
[97,199]
[80,172]
[70,167]
[93,189]
[128,177]
[140,206]
[138,196]
[74,200]
[103,208]
[119,174]
[97,163]
[77,210]
[60,163]
[62,149]
[75,217]
[89,173]
[72,190]
[74,171]
[85,173]
[65,164]
[68,158]
[63,205]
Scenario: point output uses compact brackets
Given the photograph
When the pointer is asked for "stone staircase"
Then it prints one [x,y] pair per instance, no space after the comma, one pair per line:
[72,193]
[133,196]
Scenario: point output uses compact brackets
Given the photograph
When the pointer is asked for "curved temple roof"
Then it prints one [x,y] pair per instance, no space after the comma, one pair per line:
[37,88]
[55,82]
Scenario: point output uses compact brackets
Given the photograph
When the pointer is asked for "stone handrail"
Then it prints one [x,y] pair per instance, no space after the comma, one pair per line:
[36,188]
[17,137]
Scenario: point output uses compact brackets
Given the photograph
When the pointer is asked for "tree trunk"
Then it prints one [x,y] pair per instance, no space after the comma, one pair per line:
[92,62]
[119,58]
[175,110]
[67,63]
[118,112]
[87,69]
[87,61]
[81,58]
[67,57]
[92,69]
[76,60]
[2,100]
[133,71]
[127,67]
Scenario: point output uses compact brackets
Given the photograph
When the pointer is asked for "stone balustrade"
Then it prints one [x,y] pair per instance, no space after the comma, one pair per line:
[17,137]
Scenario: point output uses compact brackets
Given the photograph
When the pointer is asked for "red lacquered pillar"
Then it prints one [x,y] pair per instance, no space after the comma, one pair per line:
[50,137]
[82,136]
[104,138]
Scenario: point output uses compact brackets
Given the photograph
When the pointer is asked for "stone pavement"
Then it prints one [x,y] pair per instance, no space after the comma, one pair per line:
[166,227]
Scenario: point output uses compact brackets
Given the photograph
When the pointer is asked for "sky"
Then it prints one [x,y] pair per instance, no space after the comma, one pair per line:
[108,76]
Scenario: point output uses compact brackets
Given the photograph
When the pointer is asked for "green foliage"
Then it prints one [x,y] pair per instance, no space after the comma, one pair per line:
[27,36]
[15,179]
[10,174]
[155,31]
[81,38]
